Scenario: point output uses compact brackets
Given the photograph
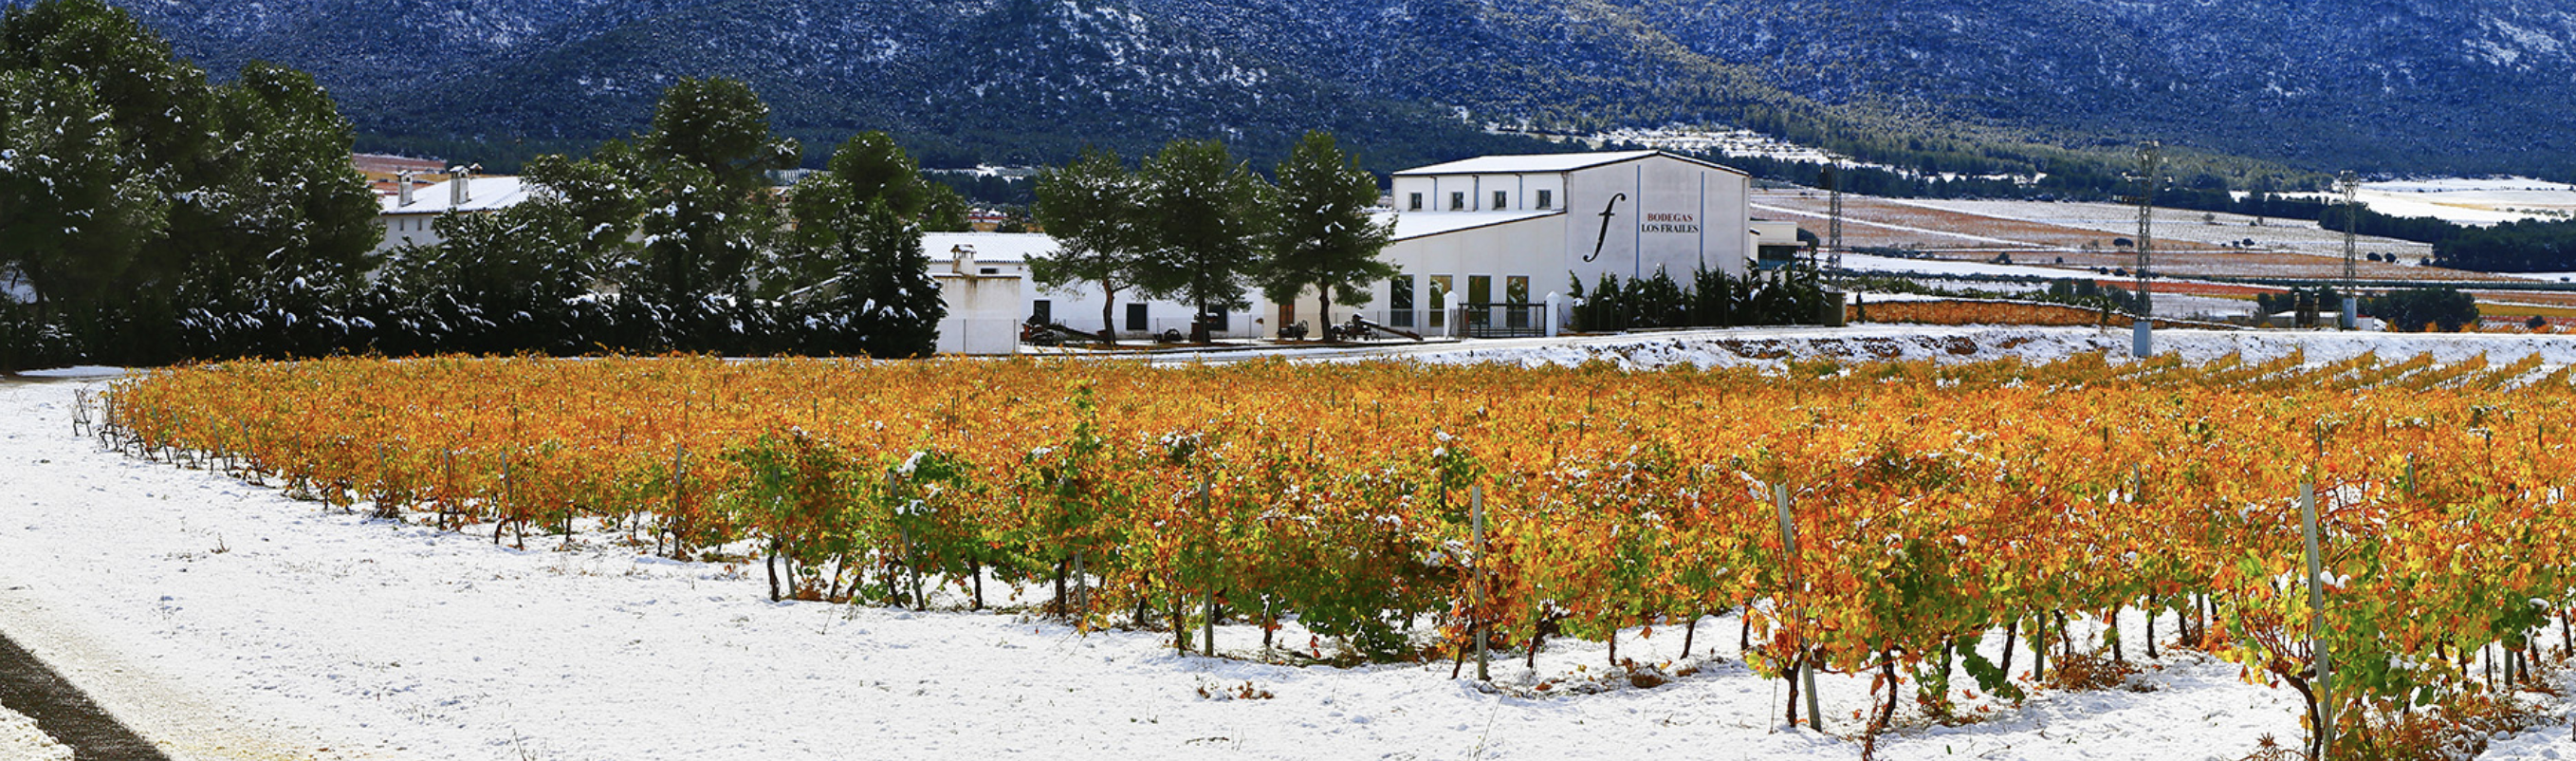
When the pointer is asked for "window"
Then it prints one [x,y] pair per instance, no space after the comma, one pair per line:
[1458,200]
[1502,200]
[1042,311]
[1480,301]
[1414,202]
[1516,293]
[1439,298]
[1399,301]
[1544,201]
[1135,317]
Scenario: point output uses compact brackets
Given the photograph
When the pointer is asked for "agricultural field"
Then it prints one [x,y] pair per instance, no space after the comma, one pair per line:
[2083,236]
[2472,201]
[2106,524]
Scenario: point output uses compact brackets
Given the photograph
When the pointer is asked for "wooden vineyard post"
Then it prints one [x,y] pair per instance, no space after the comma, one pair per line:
[1476,594]
[1789,548]
[2317,623]
[1207,641]
[679,485]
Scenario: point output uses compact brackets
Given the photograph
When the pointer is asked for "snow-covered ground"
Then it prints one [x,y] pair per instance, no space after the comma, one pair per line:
[22,741]
[1953,268]
[2481,201]
[2274,234]
[226,621]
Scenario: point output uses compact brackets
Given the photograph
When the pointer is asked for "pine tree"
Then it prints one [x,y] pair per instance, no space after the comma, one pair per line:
[1326,237]
[852,223]
[146,128]
[1209,218]
[708,213]
[75,215]
[1093,209]
[280,209]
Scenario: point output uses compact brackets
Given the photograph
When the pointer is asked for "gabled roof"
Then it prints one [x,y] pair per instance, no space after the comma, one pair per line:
[1537,163]
[489,193]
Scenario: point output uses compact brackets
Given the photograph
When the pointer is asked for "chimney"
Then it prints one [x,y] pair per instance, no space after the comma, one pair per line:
[457,178]
[961,258]
[402,181]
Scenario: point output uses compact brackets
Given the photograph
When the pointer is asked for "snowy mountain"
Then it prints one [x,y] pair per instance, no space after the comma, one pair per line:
[2390,85]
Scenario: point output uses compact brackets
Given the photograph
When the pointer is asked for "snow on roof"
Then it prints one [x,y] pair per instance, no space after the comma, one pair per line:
[989,247]
[1430,223]
[1543,162]
[487,193]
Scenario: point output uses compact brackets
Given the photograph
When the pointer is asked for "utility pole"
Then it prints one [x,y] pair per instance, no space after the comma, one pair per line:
[2150,168]
[2351,187]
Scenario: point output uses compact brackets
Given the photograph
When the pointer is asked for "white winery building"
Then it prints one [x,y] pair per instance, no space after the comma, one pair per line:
[1487,239]
[1480,245]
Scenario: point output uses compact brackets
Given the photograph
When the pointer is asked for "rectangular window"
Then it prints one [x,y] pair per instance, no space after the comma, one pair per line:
[1399,301]
[1439,300]
[1042,311]
[1480,301]
[1502,200]
[1458,200]
[1414,202]
[1135,317]
[1516,294]
[1544,201]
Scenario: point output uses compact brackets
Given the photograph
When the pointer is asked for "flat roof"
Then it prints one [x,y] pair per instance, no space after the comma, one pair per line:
[1424,224]
[1546,162]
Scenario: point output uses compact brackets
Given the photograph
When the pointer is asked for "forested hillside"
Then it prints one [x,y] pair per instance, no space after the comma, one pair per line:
[1941,85]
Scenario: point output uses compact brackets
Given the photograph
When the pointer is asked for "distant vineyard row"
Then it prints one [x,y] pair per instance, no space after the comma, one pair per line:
[1931,504]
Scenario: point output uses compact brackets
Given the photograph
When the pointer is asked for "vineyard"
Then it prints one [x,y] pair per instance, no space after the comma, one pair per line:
[1877,519]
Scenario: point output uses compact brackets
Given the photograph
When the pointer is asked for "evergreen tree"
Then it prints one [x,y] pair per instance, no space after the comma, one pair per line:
[875,169]
[1209,218]
[1093,208]
[74,214]
[945,211]
[708,213]
[603,196]
[850,222]
[156,102]
[1326,237]
[280,212]
[151,124]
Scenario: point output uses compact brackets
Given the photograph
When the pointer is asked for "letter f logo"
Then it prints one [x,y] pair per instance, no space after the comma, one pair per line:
[1607,210]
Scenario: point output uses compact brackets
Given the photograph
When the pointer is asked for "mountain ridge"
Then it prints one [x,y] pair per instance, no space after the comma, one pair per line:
[2392,86]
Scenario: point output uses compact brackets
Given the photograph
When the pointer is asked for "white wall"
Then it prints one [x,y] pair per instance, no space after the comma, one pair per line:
[404,229]
[983,313]
[1077,306]
[1527,248]
[1664,213]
